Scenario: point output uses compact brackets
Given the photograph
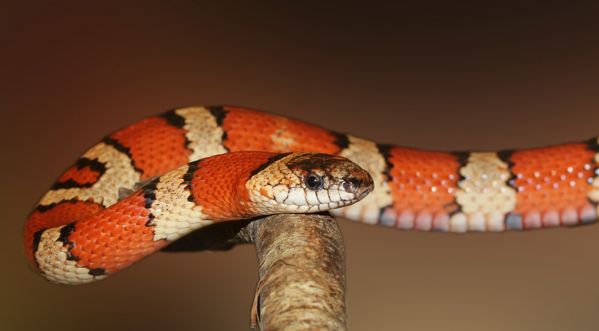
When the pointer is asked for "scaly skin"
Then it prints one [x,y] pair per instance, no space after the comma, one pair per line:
[70,243]
[414,189]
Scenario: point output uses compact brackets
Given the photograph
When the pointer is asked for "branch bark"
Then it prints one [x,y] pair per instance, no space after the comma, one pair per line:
[302,273]
[301,266]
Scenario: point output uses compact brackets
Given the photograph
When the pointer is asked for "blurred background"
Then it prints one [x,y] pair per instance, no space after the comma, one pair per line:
[429,74]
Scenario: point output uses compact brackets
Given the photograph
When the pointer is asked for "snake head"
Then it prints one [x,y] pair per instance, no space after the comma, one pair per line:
[308,182]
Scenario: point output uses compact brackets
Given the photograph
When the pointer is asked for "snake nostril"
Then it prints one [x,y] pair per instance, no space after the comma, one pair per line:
[351,185]
[347,187]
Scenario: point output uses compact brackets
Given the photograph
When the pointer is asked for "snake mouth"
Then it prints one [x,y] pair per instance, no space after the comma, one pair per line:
[319,207]
[364,192]
[299,200]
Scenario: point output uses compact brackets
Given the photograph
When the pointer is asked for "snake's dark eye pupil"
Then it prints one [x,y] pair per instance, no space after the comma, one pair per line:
[314,182]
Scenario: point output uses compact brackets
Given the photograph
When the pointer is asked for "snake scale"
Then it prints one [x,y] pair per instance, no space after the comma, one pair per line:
[154,181]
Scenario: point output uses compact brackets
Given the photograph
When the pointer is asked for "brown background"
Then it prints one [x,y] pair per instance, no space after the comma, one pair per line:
[441,76]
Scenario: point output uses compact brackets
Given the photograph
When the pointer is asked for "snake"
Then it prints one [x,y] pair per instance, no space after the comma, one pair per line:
[146,185]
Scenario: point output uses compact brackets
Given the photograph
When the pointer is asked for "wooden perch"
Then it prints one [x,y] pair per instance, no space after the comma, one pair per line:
[302,273]
[302,268]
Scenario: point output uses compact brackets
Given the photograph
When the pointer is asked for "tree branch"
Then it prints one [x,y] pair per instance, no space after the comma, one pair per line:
[302,273]
[301,266]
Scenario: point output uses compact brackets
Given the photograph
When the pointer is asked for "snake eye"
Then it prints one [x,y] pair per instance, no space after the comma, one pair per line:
[314,181]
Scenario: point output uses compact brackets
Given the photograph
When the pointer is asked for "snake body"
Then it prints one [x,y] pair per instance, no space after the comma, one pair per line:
[82,229]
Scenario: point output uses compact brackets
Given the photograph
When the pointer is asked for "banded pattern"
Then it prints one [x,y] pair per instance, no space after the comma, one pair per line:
[414,189]
[75,242]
